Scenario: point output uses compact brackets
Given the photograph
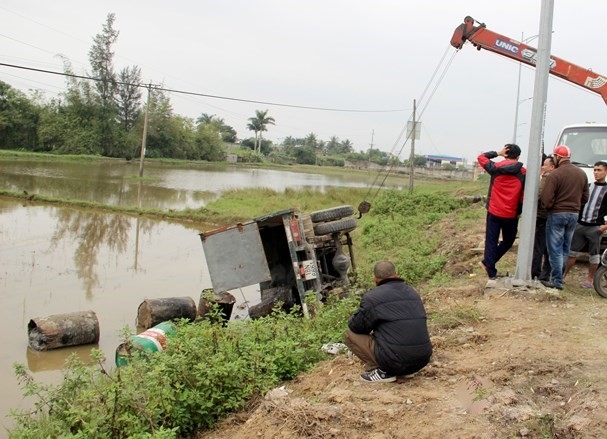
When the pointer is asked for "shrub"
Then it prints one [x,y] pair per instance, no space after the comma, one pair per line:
[207,371]
[399,228]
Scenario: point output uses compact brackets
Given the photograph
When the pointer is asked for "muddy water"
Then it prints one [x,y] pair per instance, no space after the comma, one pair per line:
[58,260]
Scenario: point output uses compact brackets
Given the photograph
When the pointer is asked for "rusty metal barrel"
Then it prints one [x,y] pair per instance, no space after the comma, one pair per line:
[224,300]
[62,330]
[151,312]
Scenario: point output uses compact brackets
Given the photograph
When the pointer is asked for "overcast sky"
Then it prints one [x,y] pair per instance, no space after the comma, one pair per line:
[376,56]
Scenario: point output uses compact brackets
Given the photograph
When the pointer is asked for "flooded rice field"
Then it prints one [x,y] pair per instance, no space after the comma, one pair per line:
[61,260]
[56,260]
[163,187]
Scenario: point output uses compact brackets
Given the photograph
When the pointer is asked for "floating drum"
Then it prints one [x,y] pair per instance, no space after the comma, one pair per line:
[150,340]
[224,300]
[61,330]
[154,311]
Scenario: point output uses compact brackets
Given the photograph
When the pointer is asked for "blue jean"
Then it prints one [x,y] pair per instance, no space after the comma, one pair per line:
[559,231]
[494,248]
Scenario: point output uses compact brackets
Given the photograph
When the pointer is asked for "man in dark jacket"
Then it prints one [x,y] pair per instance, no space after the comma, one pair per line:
[389,332]
[504,203]
[564,194]
[540,265]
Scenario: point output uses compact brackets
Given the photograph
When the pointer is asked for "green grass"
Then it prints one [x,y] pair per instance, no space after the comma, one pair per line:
[209,370]
[28,155]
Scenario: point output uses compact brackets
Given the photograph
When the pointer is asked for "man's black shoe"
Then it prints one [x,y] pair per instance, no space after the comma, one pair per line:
[549,284]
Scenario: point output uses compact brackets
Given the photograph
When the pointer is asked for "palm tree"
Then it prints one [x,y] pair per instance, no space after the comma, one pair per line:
[346,147]
[258,125]
[228,133]
[253,125]
[205,118]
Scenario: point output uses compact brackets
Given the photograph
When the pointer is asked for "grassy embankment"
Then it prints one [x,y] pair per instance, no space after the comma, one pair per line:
[209,370]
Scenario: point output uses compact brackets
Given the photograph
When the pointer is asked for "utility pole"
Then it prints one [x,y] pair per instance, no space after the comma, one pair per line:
[412,156]
[536,135]
[145,132]
[519,101]
[518,97]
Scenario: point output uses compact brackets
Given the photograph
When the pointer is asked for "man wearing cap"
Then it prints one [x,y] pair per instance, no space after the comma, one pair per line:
[564,193]
[504,203]
[590,225]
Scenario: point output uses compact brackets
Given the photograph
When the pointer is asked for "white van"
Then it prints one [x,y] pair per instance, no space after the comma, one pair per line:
[588,144]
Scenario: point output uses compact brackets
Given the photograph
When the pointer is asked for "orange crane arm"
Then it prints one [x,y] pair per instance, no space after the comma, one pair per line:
[483,38]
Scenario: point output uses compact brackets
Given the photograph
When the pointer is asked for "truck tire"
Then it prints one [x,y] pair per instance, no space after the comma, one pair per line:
[600,281]
[331,214]
[341,225]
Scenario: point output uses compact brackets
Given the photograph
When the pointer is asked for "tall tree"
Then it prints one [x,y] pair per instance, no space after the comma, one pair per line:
[333,146]
[259,124]
[205,118]
[161,141]
[18,119]
[209,143]
[254,126]
[346,147]
[311,140]
[70,124]
[228,133]
[101,59]
[128,97]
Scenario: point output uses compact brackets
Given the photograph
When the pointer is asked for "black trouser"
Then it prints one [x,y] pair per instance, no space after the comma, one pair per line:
[540,267]
[494,248]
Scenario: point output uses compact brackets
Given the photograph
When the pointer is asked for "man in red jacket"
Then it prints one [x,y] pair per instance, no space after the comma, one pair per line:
[504,203]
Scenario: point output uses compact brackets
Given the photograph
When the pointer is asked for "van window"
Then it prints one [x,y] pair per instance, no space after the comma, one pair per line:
[588,144]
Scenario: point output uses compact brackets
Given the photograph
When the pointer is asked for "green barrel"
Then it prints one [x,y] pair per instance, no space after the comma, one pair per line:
[151,340]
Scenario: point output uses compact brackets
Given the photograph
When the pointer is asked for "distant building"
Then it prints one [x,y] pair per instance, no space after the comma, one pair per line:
[437,161]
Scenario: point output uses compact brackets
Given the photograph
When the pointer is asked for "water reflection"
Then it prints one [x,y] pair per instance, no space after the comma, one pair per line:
[90,231]
[55,360]
[57,260]
[113,182]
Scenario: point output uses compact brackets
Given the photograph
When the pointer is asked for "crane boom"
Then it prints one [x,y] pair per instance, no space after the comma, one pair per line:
[483,38]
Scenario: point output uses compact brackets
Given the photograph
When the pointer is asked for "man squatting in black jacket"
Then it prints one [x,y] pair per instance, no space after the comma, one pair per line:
[389,332]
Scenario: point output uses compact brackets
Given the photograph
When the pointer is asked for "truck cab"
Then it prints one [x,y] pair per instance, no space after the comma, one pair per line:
[588,144]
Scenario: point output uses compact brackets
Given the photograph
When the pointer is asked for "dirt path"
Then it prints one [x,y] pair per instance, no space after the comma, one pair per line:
[531,364]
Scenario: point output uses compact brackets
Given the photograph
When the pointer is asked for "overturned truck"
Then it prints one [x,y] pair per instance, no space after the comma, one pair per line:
[288,253]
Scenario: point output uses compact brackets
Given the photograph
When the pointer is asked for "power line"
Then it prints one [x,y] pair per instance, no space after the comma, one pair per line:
[191,93]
